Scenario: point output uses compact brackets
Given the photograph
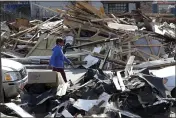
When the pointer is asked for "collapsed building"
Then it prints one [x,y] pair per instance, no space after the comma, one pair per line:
[131,45]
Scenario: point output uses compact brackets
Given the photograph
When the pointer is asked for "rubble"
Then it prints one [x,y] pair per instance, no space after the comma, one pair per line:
[123,35]
[130,45]
[96,94]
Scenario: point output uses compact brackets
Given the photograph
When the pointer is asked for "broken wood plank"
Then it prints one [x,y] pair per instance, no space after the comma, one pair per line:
[87,27]
[152,45]
[148,42]
[18,110]
[103,19]
[10,55]
[33,37]
[129,47]
[94,42]
[83,40]
[117,20]
[118,26]
[141,56]
[34,47]
[128,67]
[97,55]
[120,48]
[30,29]
[149,54]
[159,51]
[79,31]
[15,45]
[91,9]
[24,42]
[103,63]
[116,83]
[156,63]
[120,79]
[78,10]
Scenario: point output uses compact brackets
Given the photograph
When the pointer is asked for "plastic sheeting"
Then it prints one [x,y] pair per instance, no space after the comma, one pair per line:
[90,59]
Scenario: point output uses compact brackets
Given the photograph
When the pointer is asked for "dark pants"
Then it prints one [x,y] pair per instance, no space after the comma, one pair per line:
[61,70]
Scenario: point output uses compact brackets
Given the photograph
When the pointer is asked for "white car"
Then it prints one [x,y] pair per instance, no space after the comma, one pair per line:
[14,77]
[168,73]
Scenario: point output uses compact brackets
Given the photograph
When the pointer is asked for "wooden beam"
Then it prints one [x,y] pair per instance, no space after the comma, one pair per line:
[121,81]
[149,54]
[104,61]
[108,59]
[91,9]
[94,42]
[23,41]
[129,66]
[156,64]
[34,47]
[103,19]
[30,29]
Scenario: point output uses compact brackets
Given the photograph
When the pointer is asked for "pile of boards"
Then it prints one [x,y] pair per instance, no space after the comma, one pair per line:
[132,42]
[107,37]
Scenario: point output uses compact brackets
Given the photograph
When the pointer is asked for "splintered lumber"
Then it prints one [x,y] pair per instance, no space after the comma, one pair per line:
[11,53]
[79,13]
[30,29]
[87,27]
[33,37]
[19,33]
[8,55]
[24,42]
[97,55]
[116,83]
[140,55]
[129,67]
[116,19]
[149,54]
[85,20]
[156,63]
[103,19]
[95,42]
[119,77]
[103,63]
[122,26]
[35,47]
[91,9]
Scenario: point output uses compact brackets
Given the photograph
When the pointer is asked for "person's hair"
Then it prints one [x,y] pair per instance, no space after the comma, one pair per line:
[59,40]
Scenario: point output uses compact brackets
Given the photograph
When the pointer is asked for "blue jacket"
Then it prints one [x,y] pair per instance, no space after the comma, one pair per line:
[57,59]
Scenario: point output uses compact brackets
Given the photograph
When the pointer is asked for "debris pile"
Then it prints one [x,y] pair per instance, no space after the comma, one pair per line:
[131,45]
[99,94]
[91,32]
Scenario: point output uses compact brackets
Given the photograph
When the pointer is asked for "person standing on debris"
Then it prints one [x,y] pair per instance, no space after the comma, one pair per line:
[57,59]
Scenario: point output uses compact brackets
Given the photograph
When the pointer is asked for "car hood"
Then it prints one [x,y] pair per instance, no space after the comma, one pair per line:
[15,66]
